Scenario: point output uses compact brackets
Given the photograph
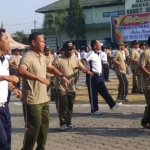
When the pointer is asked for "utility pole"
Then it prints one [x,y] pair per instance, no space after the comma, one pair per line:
[34,24]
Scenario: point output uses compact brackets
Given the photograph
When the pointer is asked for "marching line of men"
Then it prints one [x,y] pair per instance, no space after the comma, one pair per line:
[35,70]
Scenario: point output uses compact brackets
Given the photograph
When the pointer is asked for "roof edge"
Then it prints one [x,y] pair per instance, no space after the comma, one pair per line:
[84,7]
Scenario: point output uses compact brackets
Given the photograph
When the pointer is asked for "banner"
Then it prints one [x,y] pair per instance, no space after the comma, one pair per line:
[131,27]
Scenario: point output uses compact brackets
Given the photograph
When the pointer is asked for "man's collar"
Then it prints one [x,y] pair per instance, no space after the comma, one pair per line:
[2,58]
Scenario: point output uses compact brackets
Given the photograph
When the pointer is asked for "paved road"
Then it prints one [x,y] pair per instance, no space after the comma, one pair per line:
[117,130]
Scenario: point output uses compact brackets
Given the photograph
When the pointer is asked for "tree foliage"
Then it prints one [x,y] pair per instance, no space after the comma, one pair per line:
[76,23]
[20,37]
[57,20]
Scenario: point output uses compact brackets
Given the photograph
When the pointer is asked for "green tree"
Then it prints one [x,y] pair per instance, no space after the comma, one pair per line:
[75,22]
[57,21]
[20,37]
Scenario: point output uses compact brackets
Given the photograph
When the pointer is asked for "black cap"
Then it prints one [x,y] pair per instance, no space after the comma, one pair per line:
[142,44]
[46,48]
[68,45]
[135,42]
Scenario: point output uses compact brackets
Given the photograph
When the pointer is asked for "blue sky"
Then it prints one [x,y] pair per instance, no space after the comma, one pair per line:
[21,11]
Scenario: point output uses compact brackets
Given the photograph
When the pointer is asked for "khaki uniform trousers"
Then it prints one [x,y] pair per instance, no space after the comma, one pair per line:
[146,117]
[65,106]
[37,124]
[123,85]
[136,82]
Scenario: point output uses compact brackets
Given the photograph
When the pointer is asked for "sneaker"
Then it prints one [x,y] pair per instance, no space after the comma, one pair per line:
[63,127]
[146,126]
[96,113]
[123,98]
[116,106]
[135,92]
[119,98]
[71,126]
[141,92]
[108,80]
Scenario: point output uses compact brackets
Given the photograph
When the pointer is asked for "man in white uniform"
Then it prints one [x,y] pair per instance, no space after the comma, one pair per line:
[5,83]
[96,82]
[105,64]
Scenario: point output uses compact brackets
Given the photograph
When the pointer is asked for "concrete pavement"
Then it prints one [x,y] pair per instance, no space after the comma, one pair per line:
[113,130]
[117,130]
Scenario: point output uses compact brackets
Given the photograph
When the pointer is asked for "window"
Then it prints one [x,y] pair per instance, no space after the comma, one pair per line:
[113,13]
[122,12]
[106,14]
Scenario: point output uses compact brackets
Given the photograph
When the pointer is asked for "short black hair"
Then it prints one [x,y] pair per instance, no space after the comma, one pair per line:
[58,47]
[33,36]
[93,42]
[103,48]
[61,49]
[2,31]
[16,50]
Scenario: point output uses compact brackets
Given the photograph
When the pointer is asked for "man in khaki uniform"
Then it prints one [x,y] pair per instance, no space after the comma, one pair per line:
[127,60]
[109,57]
[120,68]
[134,60]
[14,63]
[144,66]
[50,77]
[142,47]
[68,65]
[33,68]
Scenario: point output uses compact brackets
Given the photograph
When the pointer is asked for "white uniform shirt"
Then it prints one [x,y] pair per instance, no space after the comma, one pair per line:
[4,71]
[79,56]
[113,52]
[7,56]
[95,62]
[103,57]
[124,56]
[83,54]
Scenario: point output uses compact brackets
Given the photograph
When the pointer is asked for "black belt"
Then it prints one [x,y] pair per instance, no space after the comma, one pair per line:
[98,74]
[2,104]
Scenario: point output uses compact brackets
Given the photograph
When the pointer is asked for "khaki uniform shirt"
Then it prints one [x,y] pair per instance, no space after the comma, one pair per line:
[134,54]
[126,51]
[50,58]
[34,92]
[108,53]
[15,59]
[119,57]
[70,67]
[145,62]
[141,51]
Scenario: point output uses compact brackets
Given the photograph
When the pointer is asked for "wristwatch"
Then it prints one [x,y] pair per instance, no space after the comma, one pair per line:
[62,76]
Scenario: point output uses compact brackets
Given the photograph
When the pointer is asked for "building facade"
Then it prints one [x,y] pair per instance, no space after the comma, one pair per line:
[97,14]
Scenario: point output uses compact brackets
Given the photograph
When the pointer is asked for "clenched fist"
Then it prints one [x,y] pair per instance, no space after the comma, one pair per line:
[12,78]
